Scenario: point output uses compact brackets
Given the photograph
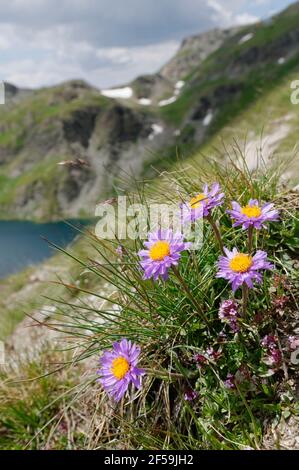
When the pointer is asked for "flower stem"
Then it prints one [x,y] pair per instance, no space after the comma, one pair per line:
[167,374]
[245,291]
[190,295]
[163,373]
[216,232]
[250,239]
[244,299]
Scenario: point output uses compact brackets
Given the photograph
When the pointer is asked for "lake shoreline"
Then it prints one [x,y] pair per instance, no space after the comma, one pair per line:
[24,243]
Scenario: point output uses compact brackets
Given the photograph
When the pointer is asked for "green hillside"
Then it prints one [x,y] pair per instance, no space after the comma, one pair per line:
[269,126]
[238,73]
[73,119]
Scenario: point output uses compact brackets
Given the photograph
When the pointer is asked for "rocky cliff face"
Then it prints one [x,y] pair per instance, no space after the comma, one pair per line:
[193,51]
[62,149]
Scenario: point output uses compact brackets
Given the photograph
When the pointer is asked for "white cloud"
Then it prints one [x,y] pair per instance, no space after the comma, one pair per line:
[246,18]
[57,59]
[106,42]
[225,16]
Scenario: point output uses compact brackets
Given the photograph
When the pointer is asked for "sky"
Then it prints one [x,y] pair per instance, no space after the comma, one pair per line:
[107,42]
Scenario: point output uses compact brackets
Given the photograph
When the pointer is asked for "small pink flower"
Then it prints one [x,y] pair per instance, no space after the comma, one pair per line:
[273,357]
[279,303]
[269,342]
[200,360]
[119,250]
[230,381]
[229,313]
[190,395]
[293,342]
[212,354]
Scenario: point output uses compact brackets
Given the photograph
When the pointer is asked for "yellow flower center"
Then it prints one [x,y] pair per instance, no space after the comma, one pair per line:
[196,201]
[251,211]
[120,367]
[159,250]
[240,263]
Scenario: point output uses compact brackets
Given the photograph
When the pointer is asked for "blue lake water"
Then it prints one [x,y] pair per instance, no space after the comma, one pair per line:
[21,243]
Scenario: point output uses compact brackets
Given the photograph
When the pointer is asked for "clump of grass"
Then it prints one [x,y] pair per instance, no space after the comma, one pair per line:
[34,412]
[183,349]
[169,322]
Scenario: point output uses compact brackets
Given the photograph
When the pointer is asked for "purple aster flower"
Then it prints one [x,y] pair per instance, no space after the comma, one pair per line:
[163,251]
[190,395]
[228,313]
[230,381]
[201,204]
[253,214]
[240,268]
[119,369]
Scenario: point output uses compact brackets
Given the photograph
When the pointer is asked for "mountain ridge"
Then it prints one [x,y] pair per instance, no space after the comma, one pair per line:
[147,122]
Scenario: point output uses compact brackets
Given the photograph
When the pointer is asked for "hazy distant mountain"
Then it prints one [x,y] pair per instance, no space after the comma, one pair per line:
[63,148]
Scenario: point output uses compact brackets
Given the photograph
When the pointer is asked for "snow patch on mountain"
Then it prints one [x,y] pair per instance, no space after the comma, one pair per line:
[124,93]
[281,61]
[170,100]
[156,130]
[208,119]
[246,38]
[145,101]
